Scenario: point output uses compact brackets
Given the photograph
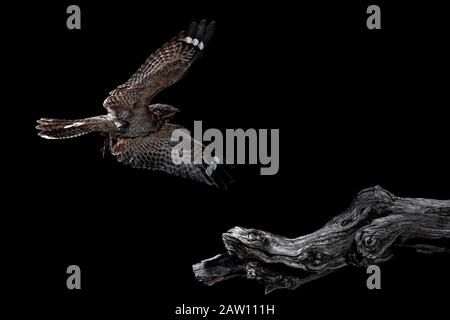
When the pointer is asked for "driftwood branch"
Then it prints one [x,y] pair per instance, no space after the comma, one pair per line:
[375,223]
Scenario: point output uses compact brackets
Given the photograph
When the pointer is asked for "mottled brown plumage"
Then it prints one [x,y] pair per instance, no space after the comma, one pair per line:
[139,134]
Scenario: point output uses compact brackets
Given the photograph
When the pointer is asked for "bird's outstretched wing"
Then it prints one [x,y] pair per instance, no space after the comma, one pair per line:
[163,68]
[154,152]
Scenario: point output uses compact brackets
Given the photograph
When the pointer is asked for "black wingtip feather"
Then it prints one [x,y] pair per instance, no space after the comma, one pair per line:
[192,29]
[198,35]
[222,179]
[209,32]
[202,31]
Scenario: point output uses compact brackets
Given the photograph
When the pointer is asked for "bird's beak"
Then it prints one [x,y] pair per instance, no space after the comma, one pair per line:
[174,111]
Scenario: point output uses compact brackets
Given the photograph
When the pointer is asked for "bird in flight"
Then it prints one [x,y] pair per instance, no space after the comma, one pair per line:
[138,133]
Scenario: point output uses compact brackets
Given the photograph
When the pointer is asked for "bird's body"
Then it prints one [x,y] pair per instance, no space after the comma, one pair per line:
[139,132]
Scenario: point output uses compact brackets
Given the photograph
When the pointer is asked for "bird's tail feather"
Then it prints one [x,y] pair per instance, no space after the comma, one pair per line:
[64,129]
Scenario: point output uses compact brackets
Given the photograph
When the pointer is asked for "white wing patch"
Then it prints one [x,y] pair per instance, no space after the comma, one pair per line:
[212,166]
[194,42]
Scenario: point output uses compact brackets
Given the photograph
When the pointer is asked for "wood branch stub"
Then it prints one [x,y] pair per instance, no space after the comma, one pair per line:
[218,268]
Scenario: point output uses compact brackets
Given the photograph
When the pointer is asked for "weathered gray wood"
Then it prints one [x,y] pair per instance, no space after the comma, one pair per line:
[364,234]
[218,268]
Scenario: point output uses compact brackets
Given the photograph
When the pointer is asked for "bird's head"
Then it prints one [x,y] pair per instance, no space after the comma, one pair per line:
[162,112]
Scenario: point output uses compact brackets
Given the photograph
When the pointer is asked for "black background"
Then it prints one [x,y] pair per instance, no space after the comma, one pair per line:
[355,108]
